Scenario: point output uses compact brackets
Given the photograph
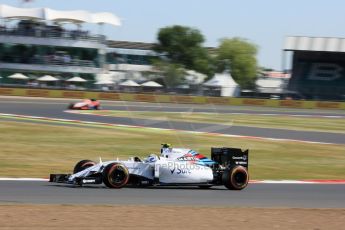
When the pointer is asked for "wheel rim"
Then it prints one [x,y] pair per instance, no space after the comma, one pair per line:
[239,178]
[118,175]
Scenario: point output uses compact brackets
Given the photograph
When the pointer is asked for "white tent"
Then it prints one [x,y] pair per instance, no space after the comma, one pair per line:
[225,83]
[194,77]
[151,84]
[18,76]
[129,83]
[77,79]
[47,78]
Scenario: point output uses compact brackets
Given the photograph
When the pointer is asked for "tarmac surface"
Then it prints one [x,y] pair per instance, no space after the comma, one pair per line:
[54,108]
[255,195]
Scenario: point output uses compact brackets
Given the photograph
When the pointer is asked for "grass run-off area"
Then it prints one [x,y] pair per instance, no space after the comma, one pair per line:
[320,124]
[37,149]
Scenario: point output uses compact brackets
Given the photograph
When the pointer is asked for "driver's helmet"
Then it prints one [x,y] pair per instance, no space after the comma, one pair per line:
[151,158]
[166,149]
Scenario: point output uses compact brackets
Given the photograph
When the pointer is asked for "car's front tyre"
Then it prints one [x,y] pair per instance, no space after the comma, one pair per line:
[115,175]
[83,164]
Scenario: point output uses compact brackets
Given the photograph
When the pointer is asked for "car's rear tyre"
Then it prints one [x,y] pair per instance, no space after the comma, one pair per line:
[83,164]
[115,175]
[235,178]
[70,106]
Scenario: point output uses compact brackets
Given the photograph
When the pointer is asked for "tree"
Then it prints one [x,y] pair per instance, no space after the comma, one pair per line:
[183,45]
[240,55]
[173,74]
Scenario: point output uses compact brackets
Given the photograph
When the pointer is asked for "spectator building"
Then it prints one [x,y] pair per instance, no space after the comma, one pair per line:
[35,42]
[318,67]
[129,60]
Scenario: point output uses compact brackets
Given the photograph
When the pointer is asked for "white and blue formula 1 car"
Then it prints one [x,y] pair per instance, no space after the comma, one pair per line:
[174,167]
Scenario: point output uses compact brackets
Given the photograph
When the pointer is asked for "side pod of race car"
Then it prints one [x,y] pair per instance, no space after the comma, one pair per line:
[85,104]
[173,167]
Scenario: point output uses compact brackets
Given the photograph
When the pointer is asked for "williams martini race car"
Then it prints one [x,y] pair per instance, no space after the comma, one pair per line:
[86,104]
[173,167]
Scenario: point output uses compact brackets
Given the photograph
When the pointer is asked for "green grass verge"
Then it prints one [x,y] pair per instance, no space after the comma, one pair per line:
[281,122]
[35,150]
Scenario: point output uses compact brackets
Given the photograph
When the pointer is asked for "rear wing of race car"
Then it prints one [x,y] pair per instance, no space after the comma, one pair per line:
[228,157]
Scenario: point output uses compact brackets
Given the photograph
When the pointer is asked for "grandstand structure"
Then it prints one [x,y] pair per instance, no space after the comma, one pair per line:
[35,42]
[126,56]
[318,67]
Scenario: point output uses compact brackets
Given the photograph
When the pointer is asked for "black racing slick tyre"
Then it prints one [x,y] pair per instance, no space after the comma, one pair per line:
[115,175]
[70,106]
[81,165]
[235,178]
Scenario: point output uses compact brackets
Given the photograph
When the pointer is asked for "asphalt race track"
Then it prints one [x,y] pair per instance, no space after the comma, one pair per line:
[255,195]
[171,107]
[55,109]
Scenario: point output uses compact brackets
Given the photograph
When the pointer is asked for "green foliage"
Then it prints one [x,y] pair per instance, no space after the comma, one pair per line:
[182,48]
[183,45]
[173,74]
[240,55]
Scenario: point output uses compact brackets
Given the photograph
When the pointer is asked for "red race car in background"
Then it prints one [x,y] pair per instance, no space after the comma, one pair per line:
[86,104]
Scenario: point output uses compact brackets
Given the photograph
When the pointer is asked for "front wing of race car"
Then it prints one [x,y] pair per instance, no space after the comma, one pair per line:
[88,172]
[64,178]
